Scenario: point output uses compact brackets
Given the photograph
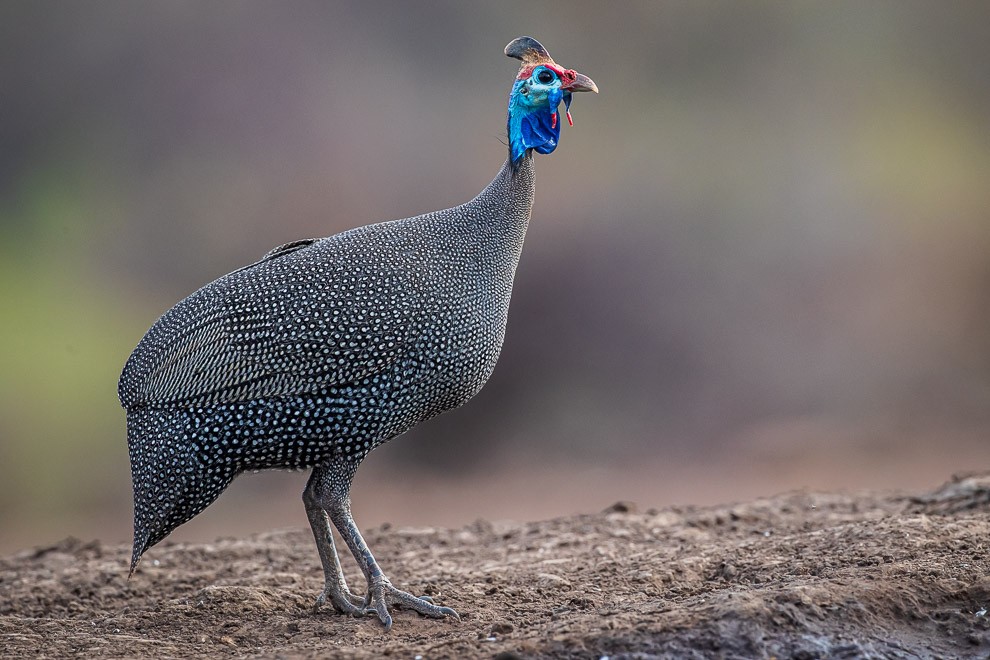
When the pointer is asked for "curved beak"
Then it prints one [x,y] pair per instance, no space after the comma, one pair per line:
[581,83]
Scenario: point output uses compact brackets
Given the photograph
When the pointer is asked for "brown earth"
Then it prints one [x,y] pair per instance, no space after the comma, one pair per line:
[803,575]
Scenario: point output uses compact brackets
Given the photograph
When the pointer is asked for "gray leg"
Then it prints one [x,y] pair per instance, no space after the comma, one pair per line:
[337,502]
[335,588]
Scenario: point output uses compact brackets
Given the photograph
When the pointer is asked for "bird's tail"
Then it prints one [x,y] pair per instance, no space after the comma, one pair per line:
[173,478]
[159,464]
[140,545]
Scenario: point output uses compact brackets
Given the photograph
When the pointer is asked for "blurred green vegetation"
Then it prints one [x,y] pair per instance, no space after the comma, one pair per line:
[65,336]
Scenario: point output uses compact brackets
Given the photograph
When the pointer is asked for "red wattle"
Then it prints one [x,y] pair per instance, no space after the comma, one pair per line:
[553,120]
[569,120]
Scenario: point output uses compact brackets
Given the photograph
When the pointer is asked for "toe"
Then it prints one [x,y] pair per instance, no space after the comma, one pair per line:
[447,611]
[383,615]
[424,606]
[343,601]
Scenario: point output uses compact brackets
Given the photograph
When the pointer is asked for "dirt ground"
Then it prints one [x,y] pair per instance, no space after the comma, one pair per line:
[802,575]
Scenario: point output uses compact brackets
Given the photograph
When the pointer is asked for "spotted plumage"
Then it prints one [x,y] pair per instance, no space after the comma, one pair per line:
[318,353]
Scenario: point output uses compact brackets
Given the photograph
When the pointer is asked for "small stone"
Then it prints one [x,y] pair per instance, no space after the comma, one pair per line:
[501,628]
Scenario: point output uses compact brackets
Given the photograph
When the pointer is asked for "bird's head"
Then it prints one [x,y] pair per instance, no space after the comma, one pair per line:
[540,86]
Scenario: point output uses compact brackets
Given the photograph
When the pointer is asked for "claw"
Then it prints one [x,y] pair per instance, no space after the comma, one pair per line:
[448,611]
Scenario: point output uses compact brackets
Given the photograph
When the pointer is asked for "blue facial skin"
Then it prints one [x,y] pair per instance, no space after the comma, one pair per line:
[532,104]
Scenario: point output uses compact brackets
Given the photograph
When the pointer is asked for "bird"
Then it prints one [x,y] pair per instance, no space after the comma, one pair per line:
[326,348]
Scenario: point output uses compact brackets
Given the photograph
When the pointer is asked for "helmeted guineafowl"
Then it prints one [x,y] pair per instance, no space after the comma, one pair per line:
[326,348]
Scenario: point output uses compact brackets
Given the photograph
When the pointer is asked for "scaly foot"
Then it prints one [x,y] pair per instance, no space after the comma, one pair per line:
[382,594]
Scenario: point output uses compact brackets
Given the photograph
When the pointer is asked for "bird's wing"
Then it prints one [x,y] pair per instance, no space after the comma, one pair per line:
[279,251]
[268,331]
[285,249]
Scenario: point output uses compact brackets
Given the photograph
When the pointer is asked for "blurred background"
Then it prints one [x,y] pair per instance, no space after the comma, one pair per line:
[760,260]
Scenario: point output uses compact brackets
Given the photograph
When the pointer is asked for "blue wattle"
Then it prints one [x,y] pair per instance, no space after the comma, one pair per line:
[531,126]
